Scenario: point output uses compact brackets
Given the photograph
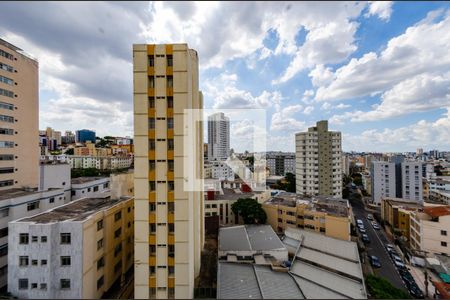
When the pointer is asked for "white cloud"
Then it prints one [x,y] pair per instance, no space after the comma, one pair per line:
[283,120]
[423,48]
[308,110]
[423,134]
[342,106]
[382,9]
[321,75]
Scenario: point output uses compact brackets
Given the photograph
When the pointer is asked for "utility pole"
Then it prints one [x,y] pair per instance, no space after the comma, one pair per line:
[426,282]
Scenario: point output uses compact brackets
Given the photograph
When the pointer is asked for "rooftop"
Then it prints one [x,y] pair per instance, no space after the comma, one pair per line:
[19,192]
[406,203]
[248,281]
[81,180]
[74,211]
[233,194]
[249,238]
[437,211]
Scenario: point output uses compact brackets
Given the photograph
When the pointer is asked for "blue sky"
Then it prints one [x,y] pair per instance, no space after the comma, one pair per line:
[378,71]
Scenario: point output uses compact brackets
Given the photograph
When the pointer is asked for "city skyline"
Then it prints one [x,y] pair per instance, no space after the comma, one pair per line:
[323,64]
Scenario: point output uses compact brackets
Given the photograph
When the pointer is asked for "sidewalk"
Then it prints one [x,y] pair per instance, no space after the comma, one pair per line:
[419,277]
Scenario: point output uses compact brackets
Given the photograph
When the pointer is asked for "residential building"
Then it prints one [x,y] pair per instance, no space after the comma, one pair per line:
[169,219]
[396,213]
[412,187]
[318,161]
[367,182]
[218,170]
[383,181]
[398,160]
[280,163]
[100,162]
[419,151]
[324,267]
[90,187]
[430,229]
[68,138]
[19,109]
[79,250]
[218,137]
[440,196]
[84,135]
[329,216]
[345,164]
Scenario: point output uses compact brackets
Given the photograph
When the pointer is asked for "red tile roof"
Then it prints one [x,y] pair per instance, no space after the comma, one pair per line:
[437,211]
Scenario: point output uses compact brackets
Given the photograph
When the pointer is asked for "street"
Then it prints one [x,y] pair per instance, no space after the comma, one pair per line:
[376,247]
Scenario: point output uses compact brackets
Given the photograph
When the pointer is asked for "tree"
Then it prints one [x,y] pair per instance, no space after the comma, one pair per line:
[250,211]
[290,186]
[69,151]
[380,288]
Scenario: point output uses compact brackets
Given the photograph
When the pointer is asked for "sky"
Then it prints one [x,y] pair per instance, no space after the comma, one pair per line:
[378,71]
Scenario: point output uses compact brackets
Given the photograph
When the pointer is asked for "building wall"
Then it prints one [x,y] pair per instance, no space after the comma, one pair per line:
[25,137]
[412,188]
[218,137]
[91,189]
[318,161]
[122,185]
[187,217]
[383,181]
[432,237]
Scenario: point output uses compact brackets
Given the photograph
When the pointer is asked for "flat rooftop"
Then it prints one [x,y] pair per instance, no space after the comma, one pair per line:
[234,194]
[19,192]
[403,202]
[78,210]
[249,238]
[81,180]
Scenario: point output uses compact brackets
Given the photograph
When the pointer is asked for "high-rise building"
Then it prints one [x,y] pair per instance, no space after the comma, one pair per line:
[19,119]
[84,135]
[398,161]
[169,231]
[383,181]
[412,187]
[318,161]
[218,137]
[280,163]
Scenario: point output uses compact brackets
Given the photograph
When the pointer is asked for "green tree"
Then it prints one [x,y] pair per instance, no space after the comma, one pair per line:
[380,288]
[290,186]
[250,211]
[69,151]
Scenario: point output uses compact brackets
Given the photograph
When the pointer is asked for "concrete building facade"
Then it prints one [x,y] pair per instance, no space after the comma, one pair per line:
[218,137]
[412,187]
[383,181]
[318,161]
[19,109]
[78,250]
[280,163]
[169,229]
[84,135]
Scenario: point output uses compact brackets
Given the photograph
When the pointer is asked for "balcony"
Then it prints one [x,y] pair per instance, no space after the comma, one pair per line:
[170,175]
[152,196]
[170,197]
[151,175]
[152,112]
[151,155]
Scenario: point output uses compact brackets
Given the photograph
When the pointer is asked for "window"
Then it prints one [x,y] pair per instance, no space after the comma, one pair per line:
[152,186]
[6,93]
[6,144]
[117,249]
[43,286]
[101,263]
[34,262]
[152,250]
[117,233]
[444,244]
[152,207]
[23,238]
[100,282]
[4,212]
[23,261]
[171,228]
[118,266]
[170,81]
[33,205]
[6,67]
[151,102]
[43,262]
[170,102]
[3,232]
[151,144]
[171,251]
[99,244]
[170,144]
[171,186]
[65,238]
[171,207]
[170,123]
[34,239]
[6,183]
[151,165]
[4,250]
[6,54]
[65,283]
[152,270]
[43,239]
[151,123]
[100,225]
[152,227]
[443,232]
[34,285]
[6,119]
[23,284]
[65,260]
[151,61]
[118,216]
[5,105]
[151,82]
[51,200]
[96,188]
[170,165]
[169,60]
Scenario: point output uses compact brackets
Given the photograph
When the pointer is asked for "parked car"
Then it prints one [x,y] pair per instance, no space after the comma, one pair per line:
[362,229]
[365,238]
[359,222]
[375,225]
[407,278]
[369,217]
[374,261]
[398,262]
[390,247]
[416,292]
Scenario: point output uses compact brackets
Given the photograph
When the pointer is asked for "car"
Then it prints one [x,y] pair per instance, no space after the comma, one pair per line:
[369,217]
[374,261]
[359,222]
[398,262]
[415,292]
[375,226]
[365,238]
[362,229]
[407,278]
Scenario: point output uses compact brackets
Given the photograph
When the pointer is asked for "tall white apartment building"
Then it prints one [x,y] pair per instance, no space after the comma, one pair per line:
[319,161]
[218,137]
[412,188]
[383,180]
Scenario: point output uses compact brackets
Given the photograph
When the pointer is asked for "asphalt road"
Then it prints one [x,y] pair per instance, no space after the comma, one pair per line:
[376,247]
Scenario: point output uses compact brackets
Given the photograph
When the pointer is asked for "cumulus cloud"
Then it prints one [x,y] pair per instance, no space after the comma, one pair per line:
[283,119]
[308,110]
[382,9]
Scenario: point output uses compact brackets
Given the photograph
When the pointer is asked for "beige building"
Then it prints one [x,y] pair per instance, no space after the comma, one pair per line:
[318,158]
[329,216]
[430,229]
[396,213]
[169,218]
[78,250]
[19,109]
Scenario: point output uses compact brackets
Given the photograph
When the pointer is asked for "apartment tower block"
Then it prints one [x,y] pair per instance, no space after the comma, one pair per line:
[169,232]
